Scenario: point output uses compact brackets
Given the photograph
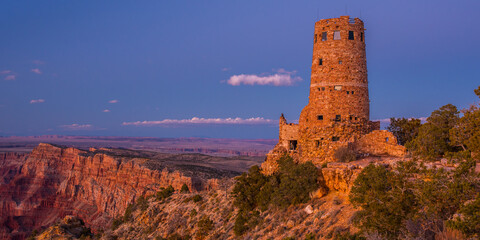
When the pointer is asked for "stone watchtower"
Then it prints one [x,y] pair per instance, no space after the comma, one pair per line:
[337,113]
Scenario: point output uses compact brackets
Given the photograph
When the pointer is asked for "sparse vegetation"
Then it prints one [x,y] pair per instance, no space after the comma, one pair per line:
[204,226]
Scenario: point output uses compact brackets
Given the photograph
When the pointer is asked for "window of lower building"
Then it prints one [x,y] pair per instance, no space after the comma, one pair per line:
[292,144]
[338,118]
[351,35]
[320,62]
[348,92]
[336,35]
[319,117]
[335,139]
[353,92]
[324,36]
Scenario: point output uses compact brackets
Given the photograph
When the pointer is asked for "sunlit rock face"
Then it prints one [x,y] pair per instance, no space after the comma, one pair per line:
[52,182]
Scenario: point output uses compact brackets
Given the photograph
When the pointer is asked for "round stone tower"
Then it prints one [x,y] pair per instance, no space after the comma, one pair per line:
[338,107]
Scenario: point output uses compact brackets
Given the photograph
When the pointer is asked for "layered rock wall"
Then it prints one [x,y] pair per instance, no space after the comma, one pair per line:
[54,182]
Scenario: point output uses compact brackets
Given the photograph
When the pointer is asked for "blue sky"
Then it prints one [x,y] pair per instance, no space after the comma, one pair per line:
[146,68]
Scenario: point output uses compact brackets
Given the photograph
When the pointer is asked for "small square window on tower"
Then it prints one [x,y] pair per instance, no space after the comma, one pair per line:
[320,62]
[350,35]
[319,117]
[324,36]
[340,62]
[336,35]
[335,139]
[338,118]
[292,144]
[317,143]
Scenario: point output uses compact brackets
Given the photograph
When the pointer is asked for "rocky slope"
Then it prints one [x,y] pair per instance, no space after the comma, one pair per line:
[54,182]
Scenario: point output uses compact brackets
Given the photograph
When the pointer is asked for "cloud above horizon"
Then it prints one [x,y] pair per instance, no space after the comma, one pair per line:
[5,72]
[76,126]
[113,101]
[197,120]
[280,77]
[106,111]
[36,70]
[10,77]
[37,101]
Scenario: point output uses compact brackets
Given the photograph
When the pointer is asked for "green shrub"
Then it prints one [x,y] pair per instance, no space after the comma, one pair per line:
[142,203]
[204,226]
[127,216]
[193,213]
[404,129]
[345,154]
[165,193]
[197,198]
[433,139]
[384,200]
[310,236]
[290,185]
[184,189]
[116,223]
[469,222]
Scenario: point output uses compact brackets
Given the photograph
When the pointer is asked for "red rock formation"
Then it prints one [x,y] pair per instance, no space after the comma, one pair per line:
[54,182]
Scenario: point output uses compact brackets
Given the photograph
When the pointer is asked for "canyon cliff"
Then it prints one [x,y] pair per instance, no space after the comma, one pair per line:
[52,182]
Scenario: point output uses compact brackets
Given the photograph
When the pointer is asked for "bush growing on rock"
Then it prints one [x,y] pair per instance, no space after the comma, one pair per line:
[290,185]
[184,189]
[414,202]
[165,193]
[204,226]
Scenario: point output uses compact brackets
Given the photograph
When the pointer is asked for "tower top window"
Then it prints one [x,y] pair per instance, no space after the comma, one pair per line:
[336,35]
[351,35]
[324,36]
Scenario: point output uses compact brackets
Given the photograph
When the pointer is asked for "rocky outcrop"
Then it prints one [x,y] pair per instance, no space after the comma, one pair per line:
[54,182]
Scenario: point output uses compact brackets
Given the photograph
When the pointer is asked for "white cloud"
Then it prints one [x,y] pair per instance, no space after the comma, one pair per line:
[196,120]
[77,126]
[281,77]
[37,71]
[10,77]
[113,101]
[5,72]
[225,69]
[106,110]
[37,101]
